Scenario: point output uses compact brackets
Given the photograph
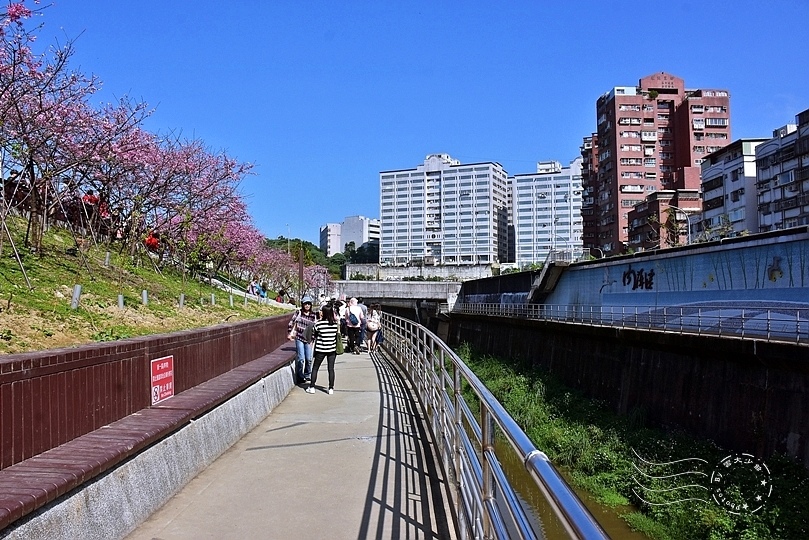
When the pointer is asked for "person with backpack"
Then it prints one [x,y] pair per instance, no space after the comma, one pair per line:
[303,319]
[363,322]
[354,320]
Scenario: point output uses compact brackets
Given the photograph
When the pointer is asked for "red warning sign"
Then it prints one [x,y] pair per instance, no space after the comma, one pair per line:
[162,379]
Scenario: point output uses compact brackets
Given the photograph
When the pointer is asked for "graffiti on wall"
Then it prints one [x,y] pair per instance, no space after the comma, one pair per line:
[638,279]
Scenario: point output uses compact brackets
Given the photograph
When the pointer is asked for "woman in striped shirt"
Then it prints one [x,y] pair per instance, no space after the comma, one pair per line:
[325,331]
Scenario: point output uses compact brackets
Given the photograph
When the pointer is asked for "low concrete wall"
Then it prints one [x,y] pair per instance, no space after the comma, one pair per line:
[116,503]
[405,292]
[449,272]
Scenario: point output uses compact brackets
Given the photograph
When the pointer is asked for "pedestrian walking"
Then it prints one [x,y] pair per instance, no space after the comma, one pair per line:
[325,332]
[354,321]
[373,326]
[303,318]
[363,321]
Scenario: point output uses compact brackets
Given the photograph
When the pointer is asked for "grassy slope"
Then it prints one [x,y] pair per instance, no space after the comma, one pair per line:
[41,318]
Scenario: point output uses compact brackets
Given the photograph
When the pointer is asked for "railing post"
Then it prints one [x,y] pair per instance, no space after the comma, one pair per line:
[744,321]
[457,446]
[487,446]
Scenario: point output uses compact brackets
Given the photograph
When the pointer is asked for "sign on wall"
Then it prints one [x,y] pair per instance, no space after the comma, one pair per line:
[162,379]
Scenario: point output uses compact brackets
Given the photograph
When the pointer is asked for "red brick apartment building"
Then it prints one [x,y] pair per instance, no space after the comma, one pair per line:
[650,137]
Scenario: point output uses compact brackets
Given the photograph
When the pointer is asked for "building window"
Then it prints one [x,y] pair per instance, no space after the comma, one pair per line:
[716,122]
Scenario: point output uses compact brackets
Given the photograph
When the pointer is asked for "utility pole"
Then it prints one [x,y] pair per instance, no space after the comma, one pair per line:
[300,271]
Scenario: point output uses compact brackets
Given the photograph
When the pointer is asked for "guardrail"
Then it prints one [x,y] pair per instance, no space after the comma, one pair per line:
[488,507]
[771,323]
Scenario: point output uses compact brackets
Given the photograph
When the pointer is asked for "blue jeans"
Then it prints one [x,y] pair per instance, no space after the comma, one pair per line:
[303,364]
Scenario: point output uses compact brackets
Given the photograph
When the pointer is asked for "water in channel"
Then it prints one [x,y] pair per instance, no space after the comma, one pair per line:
[608,517]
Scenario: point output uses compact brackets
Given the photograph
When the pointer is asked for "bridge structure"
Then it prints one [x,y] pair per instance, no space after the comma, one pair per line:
[237,449]
[426,302]
[90,451]
[402,294]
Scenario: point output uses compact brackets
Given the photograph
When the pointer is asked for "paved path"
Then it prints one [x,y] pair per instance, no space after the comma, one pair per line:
[351,465]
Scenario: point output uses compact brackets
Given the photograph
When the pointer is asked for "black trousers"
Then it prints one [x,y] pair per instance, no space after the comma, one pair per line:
[319,357]
[353,338]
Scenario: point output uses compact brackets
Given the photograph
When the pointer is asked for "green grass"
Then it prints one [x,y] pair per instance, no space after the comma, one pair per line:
[596,446]
[41,317]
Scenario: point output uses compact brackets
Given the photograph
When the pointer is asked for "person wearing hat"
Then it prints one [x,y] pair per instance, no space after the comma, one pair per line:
[301,320]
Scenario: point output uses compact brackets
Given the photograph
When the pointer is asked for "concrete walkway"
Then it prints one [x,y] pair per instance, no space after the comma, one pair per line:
[353,465]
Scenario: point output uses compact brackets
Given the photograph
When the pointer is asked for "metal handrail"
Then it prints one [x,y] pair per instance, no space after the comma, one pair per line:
[782,324]
[487,506]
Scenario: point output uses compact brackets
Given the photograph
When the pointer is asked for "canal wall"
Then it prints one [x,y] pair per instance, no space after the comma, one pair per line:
[747,395]
[731,273]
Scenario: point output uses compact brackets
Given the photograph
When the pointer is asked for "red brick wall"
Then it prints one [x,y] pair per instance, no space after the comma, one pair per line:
[50,397]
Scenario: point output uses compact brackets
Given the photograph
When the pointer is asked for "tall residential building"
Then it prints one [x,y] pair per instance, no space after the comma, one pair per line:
[547,211]
[730,205]
[330,242]
[782,184]
[589,176]
[443,212]
[650,137]
[360,230]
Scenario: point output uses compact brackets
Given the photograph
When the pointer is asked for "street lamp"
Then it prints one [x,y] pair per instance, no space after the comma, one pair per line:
[565,240]
[687,221]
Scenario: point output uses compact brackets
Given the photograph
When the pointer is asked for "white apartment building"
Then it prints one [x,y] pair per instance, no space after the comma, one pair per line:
[729,206]
[547,211]
[330,239]
[443,212]
[782,183]
[359,229]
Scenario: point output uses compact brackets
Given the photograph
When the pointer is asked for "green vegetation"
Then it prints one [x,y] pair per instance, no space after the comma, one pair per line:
[598,448]
[41,318]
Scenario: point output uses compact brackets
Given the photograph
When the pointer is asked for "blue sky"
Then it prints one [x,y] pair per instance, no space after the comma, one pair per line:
[321,96]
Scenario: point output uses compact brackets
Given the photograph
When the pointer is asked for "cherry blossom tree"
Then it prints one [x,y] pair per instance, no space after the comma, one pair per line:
[64,147]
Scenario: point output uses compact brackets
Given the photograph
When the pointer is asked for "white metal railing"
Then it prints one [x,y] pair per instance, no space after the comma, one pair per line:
[487,506]
[771,323]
